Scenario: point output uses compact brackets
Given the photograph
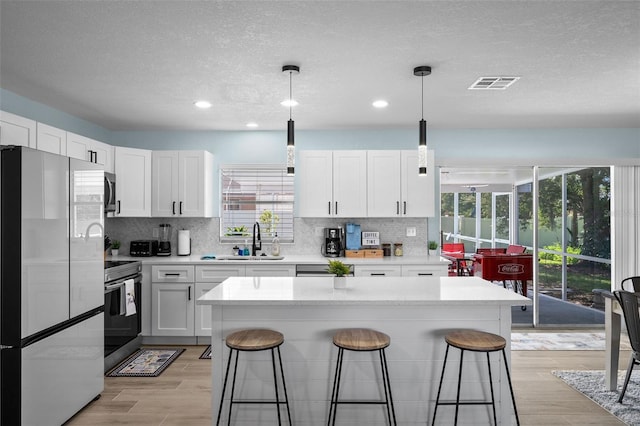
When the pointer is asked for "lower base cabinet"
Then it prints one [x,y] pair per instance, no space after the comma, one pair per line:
[207,277]
[172,309]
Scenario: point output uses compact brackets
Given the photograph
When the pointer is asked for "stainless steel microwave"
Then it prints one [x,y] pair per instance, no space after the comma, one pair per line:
[109,192]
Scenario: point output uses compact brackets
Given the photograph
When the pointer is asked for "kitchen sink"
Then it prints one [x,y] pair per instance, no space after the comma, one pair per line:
[250,258]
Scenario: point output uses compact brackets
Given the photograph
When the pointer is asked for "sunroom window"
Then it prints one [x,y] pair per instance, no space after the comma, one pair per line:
[259,193]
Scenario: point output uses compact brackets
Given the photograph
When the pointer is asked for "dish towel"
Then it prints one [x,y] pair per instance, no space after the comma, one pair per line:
[130,292]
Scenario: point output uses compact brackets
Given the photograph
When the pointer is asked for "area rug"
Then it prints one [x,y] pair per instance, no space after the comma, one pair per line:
[148,362]
[591,384]
[561,342]
[207,353]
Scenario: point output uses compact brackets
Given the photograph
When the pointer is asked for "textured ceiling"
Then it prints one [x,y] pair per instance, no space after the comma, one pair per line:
[140,65]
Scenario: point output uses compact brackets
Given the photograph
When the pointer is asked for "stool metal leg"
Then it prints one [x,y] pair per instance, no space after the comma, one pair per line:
[336,387]
[455,422]
[387,386]
[444,364]
[275,385]
[224,386]
[513,398]
[233,386]
[493,401]
[284,386]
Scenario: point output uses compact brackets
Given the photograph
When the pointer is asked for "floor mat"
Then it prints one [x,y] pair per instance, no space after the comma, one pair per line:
[148,362]
[207,353]
[561,342]
[591,384]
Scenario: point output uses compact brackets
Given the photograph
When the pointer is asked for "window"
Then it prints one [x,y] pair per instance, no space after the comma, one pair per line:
[250,194]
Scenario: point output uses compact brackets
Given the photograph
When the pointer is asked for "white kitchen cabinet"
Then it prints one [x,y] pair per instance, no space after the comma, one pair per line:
[394,187]
[133,191]
[271,271]
[16,130]
[332,184]
[377,271]
[87,149]
[424,270]
[173,300]
[182,184]
[51,139]
[207,277]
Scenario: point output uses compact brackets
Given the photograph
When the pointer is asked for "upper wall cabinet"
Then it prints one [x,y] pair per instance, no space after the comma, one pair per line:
[83,148]
[394,187]
[133,174]
[332,184]
[182,184]
[51,139]
[16,130]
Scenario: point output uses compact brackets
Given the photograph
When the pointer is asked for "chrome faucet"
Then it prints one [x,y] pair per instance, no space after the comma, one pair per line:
[255,248]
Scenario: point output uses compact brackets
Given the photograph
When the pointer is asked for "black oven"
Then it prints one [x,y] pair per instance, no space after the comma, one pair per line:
[121,324]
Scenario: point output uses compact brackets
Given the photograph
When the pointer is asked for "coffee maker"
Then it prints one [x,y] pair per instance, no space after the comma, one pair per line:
[333,242]
[164,240]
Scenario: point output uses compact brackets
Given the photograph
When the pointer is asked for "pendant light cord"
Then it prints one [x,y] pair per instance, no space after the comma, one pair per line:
[422,99]
[290,98]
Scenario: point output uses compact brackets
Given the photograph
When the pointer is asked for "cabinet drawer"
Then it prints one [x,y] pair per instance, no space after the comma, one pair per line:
[377,271]
[271,271]
[423,271]
[172,273]
[217,274]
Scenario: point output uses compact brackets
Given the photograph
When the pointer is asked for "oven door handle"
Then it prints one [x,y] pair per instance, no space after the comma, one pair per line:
[111,287]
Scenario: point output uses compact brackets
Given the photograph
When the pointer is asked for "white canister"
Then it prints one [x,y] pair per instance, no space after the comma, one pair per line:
[184,243]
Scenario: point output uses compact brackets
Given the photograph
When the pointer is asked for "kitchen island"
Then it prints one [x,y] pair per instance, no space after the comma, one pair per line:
[416,312]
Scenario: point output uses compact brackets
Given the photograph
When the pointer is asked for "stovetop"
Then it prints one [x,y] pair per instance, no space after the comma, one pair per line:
[119,269]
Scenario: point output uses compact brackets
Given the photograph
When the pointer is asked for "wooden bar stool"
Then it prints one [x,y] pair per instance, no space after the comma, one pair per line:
[476,341]
[361,340]
[253,340]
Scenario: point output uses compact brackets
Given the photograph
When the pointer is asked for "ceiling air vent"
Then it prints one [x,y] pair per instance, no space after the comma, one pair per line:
[493,83]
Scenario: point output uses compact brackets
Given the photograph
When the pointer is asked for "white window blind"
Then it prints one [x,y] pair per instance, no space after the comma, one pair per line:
[251,194]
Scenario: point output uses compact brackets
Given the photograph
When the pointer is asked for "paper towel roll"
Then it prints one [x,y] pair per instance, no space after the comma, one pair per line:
[184,243]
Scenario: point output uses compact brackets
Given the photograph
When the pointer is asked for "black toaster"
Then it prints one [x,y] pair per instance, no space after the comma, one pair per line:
[143,248]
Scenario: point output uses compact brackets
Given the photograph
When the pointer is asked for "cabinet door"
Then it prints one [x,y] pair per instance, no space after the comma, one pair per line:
[133,171]
[424,271]
[208,277]
[16,130]
[79,147]
[383,184]
[315,184]
[195,184]
[350,183]
[172,309]
[103,155]
[51,139]
[165,176]
[418,192]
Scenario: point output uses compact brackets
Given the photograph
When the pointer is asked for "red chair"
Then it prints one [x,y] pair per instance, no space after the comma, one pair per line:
[456,250]
[516,249]
[490,251]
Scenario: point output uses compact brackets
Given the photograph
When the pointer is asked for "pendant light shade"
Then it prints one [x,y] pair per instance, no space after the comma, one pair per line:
[291,148]
[421,71]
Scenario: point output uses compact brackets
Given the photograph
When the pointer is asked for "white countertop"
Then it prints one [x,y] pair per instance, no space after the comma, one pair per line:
[360,291]
[292,260]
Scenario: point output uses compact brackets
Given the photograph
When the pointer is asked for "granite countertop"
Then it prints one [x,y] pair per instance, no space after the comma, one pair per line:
[360,291]
[289,260]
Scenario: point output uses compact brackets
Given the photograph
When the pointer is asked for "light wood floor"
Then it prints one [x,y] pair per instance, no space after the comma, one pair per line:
[181,394]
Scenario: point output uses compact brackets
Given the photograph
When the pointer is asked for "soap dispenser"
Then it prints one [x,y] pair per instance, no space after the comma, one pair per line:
[245,249]
[275,246]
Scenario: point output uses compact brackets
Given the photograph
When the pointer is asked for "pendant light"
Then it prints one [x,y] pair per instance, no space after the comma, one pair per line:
[291,153]
[421,71]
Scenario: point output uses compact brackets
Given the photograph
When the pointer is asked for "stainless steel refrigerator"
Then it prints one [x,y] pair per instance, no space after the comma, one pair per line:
[52,286]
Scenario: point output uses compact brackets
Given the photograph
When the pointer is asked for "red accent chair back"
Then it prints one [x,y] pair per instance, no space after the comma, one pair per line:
[449,248]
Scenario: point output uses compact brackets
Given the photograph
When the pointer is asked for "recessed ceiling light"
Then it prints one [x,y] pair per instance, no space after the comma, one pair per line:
[252,124]
[289,103]
[202,104]
[493,83]
[380,103]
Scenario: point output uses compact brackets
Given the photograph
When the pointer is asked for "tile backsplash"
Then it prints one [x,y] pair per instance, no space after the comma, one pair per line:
[308,239]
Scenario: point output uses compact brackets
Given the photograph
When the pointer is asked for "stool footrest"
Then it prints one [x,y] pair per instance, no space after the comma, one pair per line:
[465,403]
[258,402]
[360,402]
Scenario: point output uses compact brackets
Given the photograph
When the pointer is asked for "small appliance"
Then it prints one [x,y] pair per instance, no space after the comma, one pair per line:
[143,248]
[354,236]
[164,240]
[333,242]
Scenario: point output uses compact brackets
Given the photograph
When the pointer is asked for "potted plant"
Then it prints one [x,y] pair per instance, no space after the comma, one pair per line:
[433,246]
[115,246]
[339,269]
